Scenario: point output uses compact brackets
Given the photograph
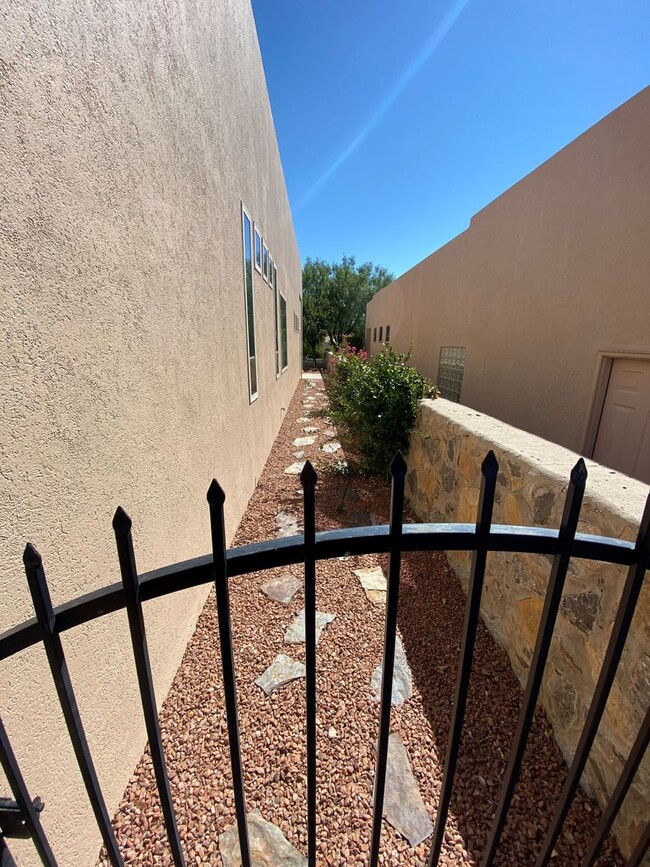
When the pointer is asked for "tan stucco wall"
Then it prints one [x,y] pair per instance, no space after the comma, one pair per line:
[547,277]
[447,448]
[131,132]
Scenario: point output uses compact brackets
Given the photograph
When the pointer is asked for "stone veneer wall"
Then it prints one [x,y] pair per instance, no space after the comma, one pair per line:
[447,448]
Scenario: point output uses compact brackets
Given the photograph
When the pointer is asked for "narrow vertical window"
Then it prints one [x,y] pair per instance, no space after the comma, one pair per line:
[451,368]
[271,267]
[387,333]
[250,311]
[258,250]
[275,320]
[374,336]
[381,332]
[299,327]
[283,333]
[265,262]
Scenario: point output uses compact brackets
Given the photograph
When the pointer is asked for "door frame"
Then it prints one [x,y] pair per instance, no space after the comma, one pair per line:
[599,393]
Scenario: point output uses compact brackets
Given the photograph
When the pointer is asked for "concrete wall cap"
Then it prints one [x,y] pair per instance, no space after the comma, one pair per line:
[606,488]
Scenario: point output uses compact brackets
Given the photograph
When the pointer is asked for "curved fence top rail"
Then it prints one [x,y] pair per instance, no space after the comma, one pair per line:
[354,541]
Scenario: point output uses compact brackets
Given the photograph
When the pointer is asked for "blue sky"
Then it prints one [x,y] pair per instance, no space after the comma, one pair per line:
[398,120]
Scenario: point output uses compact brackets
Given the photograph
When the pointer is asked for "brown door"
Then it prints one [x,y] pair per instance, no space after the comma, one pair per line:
[623,439]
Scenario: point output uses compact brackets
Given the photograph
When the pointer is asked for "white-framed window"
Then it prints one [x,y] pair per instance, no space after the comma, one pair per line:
[265,262]
[247,244]
[284,352]
[276,323]
[258,250]
[271,272]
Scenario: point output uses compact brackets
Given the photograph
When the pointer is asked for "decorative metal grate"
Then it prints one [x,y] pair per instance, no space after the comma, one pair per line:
[451,367]
[20,817]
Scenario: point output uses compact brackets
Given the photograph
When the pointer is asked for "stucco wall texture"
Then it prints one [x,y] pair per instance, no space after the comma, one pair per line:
[547,277]
[131,133]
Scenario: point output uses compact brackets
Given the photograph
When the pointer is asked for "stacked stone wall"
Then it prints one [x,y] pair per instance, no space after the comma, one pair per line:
[447,447]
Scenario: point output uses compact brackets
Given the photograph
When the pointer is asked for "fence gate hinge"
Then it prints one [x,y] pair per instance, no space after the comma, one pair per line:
[12,821]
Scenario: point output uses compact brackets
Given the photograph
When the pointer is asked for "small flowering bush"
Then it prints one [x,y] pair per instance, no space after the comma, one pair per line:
[376,401]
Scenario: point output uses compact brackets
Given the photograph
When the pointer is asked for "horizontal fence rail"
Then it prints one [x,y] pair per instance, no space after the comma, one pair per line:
[353,542]
[21,817]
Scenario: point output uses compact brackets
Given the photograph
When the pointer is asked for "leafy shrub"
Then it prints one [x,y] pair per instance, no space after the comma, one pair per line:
[376,401]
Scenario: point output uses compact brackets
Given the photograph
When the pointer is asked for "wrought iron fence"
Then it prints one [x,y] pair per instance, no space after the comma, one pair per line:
[20,816]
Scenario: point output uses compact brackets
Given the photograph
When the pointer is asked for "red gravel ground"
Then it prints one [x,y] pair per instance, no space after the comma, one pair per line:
[431,612]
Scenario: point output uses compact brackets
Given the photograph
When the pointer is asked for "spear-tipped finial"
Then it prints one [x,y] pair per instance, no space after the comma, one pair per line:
[490,465]
[579,473]
[121,521]
[308,476]
[398,465]
[216,495]
[31,557]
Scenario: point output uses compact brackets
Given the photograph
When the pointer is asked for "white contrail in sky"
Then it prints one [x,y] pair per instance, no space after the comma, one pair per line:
[412,69]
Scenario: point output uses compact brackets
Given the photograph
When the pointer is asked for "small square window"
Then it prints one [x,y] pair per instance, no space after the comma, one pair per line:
[387,333]
[381,332]
[265,262]
[374,336]
[258,250]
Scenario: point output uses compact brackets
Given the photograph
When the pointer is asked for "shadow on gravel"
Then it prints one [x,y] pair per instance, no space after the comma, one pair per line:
[431,616]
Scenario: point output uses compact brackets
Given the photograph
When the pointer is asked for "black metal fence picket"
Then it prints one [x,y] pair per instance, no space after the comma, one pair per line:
[20,816]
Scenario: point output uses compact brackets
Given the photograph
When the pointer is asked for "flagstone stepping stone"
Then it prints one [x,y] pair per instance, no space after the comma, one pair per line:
[287,525]
[283,588]
[295,633]
[310,429]
[298,454]
[303,419]
[295,469]
[361,519]
[351,495]
[304,441]
[330,448]
[330,433]
[402,678]
[268,845]
[281,671]
[373,582]
[403,805]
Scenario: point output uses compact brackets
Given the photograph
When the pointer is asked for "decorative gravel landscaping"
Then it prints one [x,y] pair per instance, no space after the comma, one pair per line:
[266,608]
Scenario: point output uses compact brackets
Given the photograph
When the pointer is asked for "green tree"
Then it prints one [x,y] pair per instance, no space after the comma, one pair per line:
[335,295]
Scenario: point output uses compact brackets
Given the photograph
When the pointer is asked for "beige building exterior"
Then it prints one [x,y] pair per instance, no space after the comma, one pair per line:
[539,313]
[133,136]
